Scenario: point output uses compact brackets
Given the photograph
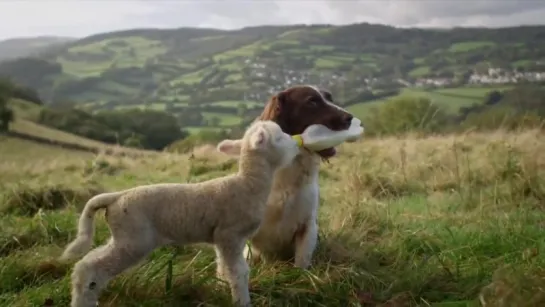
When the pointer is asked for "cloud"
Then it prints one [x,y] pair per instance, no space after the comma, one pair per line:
[85,17]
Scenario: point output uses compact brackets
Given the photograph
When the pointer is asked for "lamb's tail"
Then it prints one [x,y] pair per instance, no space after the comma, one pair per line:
[86,225]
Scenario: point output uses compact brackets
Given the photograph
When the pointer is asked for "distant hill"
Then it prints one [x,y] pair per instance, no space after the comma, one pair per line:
[214,77]
[22,47]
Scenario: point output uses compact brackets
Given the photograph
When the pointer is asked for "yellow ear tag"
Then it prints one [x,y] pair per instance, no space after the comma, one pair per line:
[298,139]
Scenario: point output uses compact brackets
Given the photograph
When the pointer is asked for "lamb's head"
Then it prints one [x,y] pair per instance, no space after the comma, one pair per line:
[264,139]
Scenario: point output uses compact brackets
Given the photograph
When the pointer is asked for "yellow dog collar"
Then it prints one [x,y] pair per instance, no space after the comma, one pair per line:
[298,139]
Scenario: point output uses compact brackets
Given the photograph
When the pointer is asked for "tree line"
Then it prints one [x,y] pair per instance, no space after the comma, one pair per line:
[10,90]
[134,128]
[137,128]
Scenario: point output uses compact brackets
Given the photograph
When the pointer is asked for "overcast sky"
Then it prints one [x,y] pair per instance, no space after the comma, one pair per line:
[80,18]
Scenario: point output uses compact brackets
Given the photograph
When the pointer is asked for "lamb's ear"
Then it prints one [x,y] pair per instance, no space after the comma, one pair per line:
[258,139]
[230,147]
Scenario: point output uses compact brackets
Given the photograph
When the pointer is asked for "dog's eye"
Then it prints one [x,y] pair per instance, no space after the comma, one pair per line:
[327,95]
[311,101]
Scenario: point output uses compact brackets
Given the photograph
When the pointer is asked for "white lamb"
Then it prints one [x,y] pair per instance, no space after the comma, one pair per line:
[224,212]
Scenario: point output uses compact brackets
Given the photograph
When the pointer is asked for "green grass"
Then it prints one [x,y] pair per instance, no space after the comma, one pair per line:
[329,62]
[420,71]
[473,92]
[450,99]
[193,130]
[451,104]
[24,109]
[81,69]
[290,34]
[244,51]
[522,63]
[321,48]
[151,106]
[191,78]
[26,114]
[361,110]
[234,77]
[470,46]
[146,46]
[419,61]
[235,103]
[132,51]
[117,88]
[225,120]
[31,128]
[432,221]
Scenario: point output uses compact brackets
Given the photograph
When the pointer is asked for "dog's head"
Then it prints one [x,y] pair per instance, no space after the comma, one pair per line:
[298,107]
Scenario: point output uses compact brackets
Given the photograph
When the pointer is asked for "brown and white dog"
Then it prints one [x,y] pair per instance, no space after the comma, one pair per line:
[290,229]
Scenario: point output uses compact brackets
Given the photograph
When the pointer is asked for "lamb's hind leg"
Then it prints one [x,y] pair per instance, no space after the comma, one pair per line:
[93,272]
[233,267]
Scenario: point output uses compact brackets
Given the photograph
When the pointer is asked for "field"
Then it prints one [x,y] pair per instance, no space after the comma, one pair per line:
[25,126]
[450,99]
[434,221]
[160,68]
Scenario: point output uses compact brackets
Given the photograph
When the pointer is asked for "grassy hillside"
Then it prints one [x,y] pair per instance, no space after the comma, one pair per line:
[434,221]
[21,47]
[198,70]
[24,126]
[449,99]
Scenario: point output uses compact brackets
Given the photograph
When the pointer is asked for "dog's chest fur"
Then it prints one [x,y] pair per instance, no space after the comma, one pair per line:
[293,200]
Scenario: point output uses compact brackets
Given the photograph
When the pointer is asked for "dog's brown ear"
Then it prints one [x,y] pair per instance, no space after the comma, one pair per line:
[273,108]
[277,110]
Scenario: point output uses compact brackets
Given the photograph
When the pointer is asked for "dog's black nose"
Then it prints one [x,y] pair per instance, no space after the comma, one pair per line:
[348,119]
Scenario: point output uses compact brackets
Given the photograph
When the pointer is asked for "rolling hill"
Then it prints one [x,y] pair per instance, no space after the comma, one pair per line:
[25,133]
[22,47]
[450,99]
[221,75]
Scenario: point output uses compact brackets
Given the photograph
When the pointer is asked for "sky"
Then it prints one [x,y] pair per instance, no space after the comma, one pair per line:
[79,18]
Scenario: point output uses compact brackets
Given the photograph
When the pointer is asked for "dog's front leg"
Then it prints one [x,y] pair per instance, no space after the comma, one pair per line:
[305,244]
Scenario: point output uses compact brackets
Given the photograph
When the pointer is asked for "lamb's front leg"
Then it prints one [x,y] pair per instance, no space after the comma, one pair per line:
[233,267]
[305,244]
[252,254]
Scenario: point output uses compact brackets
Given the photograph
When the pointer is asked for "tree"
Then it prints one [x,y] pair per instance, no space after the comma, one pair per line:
[6,114]
[493,97]
[214,121]
[241,109]
[6,117]
[404,114]
[133,141]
